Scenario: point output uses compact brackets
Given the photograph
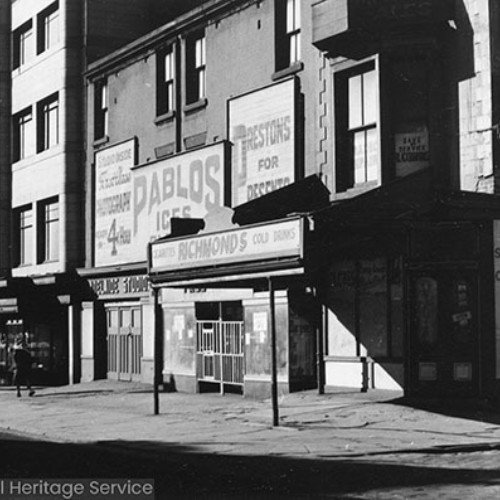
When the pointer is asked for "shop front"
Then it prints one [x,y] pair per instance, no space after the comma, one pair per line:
[408,285]
[115,342]
[227,297]
[43,311]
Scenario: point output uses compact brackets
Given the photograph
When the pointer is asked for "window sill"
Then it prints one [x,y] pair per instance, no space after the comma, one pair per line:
[291,70]
[101,141]
[166,117]
[195,106]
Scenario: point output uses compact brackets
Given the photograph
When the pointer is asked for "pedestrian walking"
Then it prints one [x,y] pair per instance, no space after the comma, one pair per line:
[22,367]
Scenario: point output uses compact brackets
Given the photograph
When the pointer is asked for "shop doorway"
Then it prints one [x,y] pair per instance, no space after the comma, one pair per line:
[220,358]
[124,337]
[443,336]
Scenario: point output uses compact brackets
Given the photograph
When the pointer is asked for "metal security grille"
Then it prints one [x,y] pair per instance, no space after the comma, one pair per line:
[124,326]
[220,351]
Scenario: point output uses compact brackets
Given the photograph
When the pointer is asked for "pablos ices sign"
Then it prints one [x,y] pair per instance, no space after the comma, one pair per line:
[187,185]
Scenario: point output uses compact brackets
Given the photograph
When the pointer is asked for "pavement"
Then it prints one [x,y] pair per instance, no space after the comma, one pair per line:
[339,424]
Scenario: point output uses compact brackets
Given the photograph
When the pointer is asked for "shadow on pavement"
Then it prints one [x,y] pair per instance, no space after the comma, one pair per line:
[186,472]
[470,409]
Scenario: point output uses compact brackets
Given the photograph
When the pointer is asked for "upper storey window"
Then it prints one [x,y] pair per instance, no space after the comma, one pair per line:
[358,142]
[23,135]
[288,39]
[165,82]
[101,110]
[24,48]
[196,68]
[48,123]
[48,28]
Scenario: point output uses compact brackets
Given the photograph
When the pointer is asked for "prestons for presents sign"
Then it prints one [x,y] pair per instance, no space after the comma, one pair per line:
[252,243]
[262,130]
[135,205]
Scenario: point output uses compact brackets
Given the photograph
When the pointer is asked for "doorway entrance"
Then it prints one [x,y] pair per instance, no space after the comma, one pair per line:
[443,336]
[220,354]
[124,338]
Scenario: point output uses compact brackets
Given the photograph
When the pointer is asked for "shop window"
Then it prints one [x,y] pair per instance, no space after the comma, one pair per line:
[365,302]
[23,135]
[358,153]
[426,304]
[101,110]
[288,36]
[195,68]
[23,224]
[165,82]
[48,28]
[48,123]
[23,46]
[49,231]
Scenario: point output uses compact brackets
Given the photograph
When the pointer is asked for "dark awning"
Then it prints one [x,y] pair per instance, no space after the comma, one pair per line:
[304,196]
[411,198]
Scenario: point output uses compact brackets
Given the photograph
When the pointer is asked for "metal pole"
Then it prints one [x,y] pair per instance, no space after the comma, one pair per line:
[320,330]
[274,368]
[157,352]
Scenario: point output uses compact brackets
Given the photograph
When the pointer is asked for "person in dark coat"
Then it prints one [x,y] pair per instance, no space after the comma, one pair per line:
[22,367]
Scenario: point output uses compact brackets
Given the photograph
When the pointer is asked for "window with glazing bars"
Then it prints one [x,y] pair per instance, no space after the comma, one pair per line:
[49,231]
[23,135]
[48,123]
[196,68]
[23,46]
[48,28]
[165,81]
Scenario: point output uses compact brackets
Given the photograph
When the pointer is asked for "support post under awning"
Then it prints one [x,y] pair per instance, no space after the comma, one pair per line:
[274,367]
[157,351]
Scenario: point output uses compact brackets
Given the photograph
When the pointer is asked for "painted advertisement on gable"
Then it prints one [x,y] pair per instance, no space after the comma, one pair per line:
[187,186]
[113,203]
[262,130]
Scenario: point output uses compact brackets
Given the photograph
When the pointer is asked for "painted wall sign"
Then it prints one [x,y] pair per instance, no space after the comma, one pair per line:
[113,203]
[252,243]
[187,185]
[262,130]
[120,286]
[135,206]
[411,150]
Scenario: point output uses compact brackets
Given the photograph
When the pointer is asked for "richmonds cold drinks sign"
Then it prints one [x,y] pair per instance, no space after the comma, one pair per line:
[262,131]
[186,185]
[113,203]
[252,243]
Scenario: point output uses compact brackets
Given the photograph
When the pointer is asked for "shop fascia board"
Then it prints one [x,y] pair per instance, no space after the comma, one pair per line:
[125,269]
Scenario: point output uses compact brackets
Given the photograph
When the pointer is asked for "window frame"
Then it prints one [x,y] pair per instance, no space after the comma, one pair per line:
[196,67]
[165,81]
[46,20]
[47,121]
[288,34]
[22,128]
[101,109]
[49,230]
[347,175]
[24,224]
[21,56]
